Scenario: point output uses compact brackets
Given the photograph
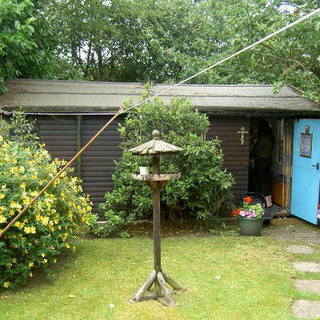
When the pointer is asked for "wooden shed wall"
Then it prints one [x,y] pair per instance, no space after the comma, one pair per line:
[235,155]
[98,161]
[59,133]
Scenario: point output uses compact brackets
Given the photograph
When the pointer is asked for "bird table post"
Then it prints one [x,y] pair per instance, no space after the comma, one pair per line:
[158,280]
[156,217]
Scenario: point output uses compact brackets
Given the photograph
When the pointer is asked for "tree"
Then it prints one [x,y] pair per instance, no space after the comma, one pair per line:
[28,43]
[167,41]
[159,40]
[204,186]
[292,57]
[126,40]
[16,27]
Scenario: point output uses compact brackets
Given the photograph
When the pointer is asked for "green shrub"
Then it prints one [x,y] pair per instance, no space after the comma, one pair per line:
[50,224]
[19,129]
[204,186]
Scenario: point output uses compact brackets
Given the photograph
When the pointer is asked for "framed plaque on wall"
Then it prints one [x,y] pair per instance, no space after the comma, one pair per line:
[306,145]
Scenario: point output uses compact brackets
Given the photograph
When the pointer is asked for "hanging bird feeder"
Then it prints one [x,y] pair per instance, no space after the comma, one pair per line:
[157,283]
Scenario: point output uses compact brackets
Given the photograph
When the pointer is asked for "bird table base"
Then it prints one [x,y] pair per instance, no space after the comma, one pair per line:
[156,287]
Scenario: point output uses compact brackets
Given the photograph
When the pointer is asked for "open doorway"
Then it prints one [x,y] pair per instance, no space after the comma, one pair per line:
[266,166]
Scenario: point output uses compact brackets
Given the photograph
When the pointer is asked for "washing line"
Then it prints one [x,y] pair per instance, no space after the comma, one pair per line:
[122,110]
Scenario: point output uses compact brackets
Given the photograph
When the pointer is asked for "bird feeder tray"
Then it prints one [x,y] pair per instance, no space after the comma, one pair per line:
[157,181]
[157,177]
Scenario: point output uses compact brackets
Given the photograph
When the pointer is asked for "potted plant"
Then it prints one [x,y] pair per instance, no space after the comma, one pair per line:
[250,217]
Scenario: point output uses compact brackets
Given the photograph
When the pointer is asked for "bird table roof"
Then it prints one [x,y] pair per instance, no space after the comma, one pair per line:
[155,147]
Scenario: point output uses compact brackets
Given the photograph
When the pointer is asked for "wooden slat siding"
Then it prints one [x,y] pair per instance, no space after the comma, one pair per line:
[59,135]
[235,156]
[98,161]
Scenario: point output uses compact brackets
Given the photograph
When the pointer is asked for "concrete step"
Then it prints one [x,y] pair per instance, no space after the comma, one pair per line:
[305,309]
[308,285]
[307,266]
[300,249]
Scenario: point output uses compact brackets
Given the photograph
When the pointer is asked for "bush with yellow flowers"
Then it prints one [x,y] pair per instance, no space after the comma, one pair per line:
[51,224]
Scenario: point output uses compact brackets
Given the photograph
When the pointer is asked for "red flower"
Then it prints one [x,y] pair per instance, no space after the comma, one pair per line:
[235,212]
[247,199]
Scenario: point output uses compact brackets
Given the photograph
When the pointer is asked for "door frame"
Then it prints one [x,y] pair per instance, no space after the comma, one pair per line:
[287,161]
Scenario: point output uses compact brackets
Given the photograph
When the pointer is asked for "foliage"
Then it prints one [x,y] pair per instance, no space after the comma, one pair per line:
[111,229]
[291,57]
[50,224]
[19,129]
[249,209]
[204,186]
[167,41]
[160,40]
[16,27]
[28,42]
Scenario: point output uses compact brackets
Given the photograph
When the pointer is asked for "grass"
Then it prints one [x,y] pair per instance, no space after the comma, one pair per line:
[255,281]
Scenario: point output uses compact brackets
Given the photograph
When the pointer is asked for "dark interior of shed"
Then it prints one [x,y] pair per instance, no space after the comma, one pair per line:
[266,143]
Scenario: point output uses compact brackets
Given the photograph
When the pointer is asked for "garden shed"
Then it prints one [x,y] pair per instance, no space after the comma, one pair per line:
[68,113]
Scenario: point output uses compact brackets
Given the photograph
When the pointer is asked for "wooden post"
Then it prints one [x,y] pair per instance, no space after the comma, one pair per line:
[156,164]
[79,143]
[156,218]
[156,230]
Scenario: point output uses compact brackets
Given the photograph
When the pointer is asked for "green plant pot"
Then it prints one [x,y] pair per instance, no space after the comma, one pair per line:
[250,227]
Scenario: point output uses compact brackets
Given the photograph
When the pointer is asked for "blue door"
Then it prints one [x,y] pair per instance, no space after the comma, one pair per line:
[305,169]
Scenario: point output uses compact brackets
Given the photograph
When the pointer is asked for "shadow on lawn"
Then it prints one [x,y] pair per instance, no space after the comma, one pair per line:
[47,276]
[189,227]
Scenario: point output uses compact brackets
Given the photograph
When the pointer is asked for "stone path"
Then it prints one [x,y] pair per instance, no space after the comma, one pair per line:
[300,249]
[303,309]
[295,230]
[292,229]
[308,285]
[307,266]
[307,235]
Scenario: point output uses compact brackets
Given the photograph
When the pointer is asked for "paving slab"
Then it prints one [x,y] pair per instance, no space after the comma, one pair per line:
[307,266]
[300,249]
[308,285]
[293,229]
[304,309]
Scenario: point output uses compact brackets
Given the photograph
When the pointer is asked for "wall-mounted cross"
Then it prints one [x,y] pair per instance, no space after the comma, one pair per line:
[242,132]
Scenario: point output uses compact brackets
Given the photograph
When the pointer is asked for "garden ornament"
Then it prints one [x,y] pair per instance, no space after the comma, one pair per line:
[158,280]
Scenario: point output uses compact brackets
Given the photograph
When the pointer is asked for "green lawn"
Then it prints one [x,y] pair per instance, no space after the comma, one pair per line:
[255,281]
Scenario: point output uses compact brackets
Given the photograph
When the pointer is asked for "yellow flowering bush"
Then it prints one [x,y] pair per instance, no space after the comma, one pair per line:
[51,223]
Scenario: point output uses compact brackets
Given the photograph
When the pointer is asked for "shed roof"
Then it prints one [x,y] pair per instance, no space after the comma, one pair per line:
[91,97]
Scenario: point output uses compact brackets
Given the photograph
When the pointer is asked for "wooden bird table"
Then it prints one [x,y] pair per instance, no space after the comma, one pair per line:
[157,283]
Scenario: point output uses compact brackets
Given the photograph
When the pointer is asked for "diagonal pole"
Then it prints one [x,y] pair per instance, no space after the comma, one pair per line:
[121,111]
[68,164]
